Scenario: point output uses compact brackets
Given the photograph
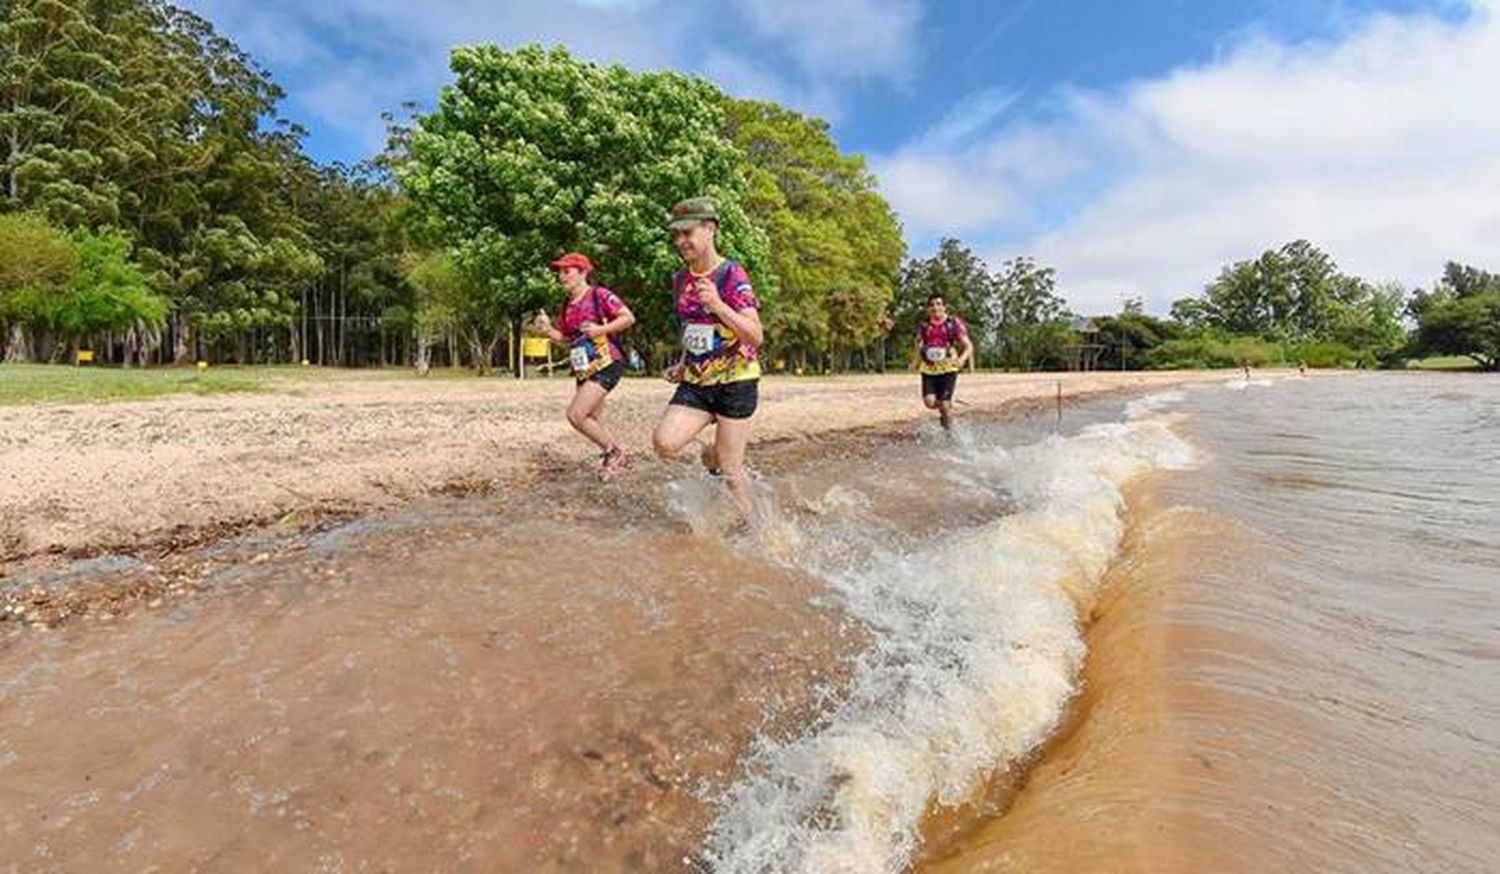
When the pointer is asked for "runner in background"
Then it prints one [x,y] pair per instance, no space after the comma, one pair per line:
[943,348]
[591,319]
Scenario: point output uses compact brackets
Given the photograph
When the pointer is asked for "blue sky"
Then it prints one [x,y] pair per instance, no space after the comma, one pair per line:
[1134,146]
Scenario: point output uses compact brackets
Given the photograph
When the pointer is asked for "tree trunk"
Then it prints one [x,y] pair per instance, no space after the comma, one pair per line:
[421,359]
[342,335]
[15,350]
[182,353]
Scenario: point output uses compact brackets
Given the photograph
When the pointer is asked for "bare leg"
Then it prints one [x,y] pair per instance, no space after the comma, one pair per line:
[730,440]
[678,426]
[586,414]
[945,413]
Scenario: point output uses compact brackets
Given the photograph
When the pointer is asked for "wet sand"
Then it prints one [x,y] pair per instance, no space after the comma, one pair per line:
[453,688]
[443,678]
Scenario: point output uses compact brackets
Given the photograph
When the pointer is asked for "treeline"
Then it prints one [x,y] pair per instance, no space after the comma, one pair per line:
[1289,306]
[1292,305]
[134,122]
[133,127]
[156,208]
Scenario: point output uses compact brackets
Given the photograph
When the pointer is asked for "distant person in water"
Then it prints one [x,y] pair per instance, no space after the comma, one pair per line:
[589,324]
[718,371]
[943,348]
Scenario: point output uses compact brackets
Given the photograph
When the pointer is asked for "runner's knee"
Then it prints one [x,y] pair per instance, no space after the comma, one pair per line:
[664,446]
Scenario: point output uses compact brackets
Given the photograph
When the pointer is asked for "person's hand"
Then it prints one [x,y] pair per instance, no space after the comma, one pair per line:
[708,294]
[592,331]
[673,373]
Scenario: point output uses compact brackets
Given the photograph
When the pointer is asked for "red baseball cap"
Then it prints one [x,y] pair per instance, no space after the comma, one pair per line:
[574,259]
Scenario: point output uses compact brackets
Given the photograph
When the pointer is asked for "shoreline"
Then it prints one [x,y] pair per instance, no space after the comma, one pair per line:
[167,474]
[630,705]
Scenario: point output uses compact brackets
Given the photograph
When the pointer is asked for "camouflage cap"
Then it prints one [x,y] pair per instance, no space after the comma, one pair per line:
[692,211]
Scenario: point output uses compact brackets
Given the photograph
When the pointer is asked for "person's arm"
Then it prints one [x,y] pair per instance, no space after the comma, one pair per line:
[744,322]
[673,373]
[621,322]
[543,325]
[968,352]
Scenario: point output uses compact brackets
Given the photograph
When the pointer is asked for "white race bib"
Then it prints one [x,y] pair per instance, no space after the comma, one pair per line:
[936,354]
[699,339]
[578,356]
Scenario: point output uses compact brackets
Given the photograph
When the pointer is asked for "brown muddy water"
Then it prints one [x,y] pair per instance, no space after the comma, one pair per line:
[1292,665]
[1297,661]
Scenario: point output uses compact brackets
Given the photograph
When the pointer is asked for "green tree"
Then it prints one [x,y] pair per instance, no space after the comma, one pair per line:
[1031,320]
[1285,294]
[137,114]
[1130,337]
[532,152]
[1460,316]
[965,284]
[441,298]
[1297,297]
[36,259]
[1367,321]
[62,124]
[107,294]
[836,246]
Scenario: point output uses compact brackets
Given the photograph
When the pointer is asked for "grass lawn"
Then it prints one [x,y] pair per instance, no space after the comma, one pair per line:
[61,383]
[1443,362]
[65,384]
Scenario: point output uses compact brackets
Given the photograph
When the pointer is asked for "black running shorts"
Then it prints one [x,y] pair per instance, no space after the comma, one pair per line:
[729,400]
[939,384]
[609,377]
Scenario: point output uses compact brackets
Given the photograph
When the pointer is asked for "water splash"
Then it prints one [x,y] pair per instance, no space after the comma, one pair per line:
[975,652]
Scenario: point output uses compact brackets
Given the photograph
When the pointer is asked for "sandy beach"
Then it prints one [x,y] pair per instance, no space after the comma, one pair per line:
[90,479]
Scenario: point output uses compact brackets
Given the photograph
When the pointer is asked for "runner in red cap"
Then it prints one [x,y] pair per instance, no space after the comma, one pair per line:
[590,322]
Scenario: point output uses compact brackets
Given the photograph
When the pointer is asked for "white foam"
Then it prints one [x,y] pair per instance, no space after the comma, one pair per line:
[1151,404]
[975,653]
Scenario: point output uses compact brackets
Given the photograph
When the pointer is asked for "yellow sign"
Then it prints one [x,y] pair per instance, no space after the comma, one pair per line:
[534,347]
[85,356]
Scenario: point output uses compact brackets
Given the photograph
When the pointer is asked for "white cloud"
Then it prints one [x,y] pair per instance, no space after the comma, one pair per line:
[1379,148]
[739,77]
[843,39]
[343,63]
[962,177]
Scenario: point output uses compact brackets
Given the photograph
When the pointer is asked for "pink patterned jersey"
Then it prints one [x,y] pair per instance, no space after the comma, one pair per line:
[715,354]
[940,344]
[599,305]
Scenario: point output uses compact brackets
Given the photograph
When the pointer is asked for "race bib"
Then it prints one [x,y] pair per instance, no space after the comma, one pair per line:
[578,357]
[700,339]
[936,354]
